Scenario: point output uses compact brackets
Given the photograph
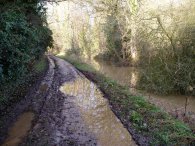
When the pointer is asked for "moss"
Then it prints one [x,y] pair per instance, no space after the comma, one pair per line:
[145,118]
[41,65]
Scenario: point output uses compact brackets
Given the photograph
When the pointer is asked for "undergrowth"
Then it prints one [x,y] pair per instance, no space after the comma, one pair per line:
[13,91]
[24,38]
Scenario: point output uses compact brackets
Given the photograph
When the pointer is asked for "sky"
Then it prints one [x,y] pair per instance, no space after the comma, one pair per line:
[162,3]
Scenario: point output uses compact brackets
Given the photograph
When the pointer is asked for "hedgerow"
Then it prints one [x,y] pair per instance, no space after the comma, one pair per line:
[24,37]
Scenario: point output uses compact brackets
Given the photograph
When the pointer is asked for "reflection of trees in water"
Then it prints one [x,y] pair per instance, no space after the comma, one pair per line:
[174,104]
[124,75]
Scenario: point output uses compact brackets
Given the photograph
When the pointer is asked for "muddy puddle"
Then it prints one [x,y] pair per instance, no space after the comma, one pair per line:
[19,130]
[97,114]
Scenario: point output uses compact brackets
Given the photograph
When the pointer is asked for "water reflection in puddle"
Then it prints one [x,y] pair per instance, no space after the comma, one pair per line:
[19,129]
[97,114]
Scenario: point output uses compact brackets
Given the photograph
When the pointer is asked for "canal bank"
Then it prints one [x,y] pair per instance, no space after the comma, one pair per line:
[139,116]
[175,104]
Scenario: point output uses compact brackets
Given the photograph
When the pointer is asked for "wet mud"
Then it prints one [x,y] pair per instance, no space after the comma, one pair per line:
[96,113]
[67,109]
[20,129]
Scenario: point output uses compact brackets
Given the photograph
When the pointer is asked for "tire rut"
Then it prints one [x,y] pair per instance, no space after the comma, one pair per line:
[59,122]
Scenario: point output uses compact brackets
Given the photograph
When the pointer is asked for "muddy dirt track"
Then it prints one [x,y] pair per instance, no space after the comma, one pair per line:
[70,110]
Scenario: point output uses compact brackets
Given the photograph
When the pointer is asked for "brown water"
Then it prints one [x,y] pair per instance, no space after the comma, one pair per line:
[130,75]
[97,114]
[19,130]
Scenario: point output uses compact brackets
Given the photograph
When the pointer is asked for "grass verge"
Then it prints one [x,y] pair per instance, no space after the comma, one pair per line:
[146,122]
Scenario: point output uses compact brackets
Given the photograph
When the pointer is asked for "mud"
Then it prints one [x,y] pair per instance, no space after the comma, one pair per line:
[71,110]
[19,129]
[96,113]
[33,101]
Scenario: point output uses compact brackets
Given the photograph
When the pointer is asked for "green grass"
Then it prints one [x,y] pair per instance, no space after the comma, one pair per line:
[147,119]
[41,65]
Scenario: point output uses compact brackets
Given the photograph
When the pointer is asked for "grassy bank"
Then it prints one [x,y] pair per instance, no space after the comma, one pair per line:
[11,92]
[147,123]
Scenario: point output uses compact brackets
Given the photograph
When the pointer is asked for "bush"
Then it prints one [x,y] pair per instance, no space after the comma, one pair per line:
[166,74]
[22,40]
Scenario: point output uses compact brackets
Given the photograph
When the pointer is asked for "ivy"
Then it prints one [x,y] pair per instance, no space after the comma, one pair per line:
[22,40]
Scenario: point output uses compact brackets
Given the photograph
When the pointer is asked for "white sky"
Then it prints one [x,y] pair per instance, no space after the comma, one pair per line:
[163,3]
[62,8]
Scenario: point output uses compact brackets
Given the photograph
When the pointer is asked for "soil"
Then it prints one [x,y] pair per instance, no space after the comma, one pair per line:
[10,112]
[58,120]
